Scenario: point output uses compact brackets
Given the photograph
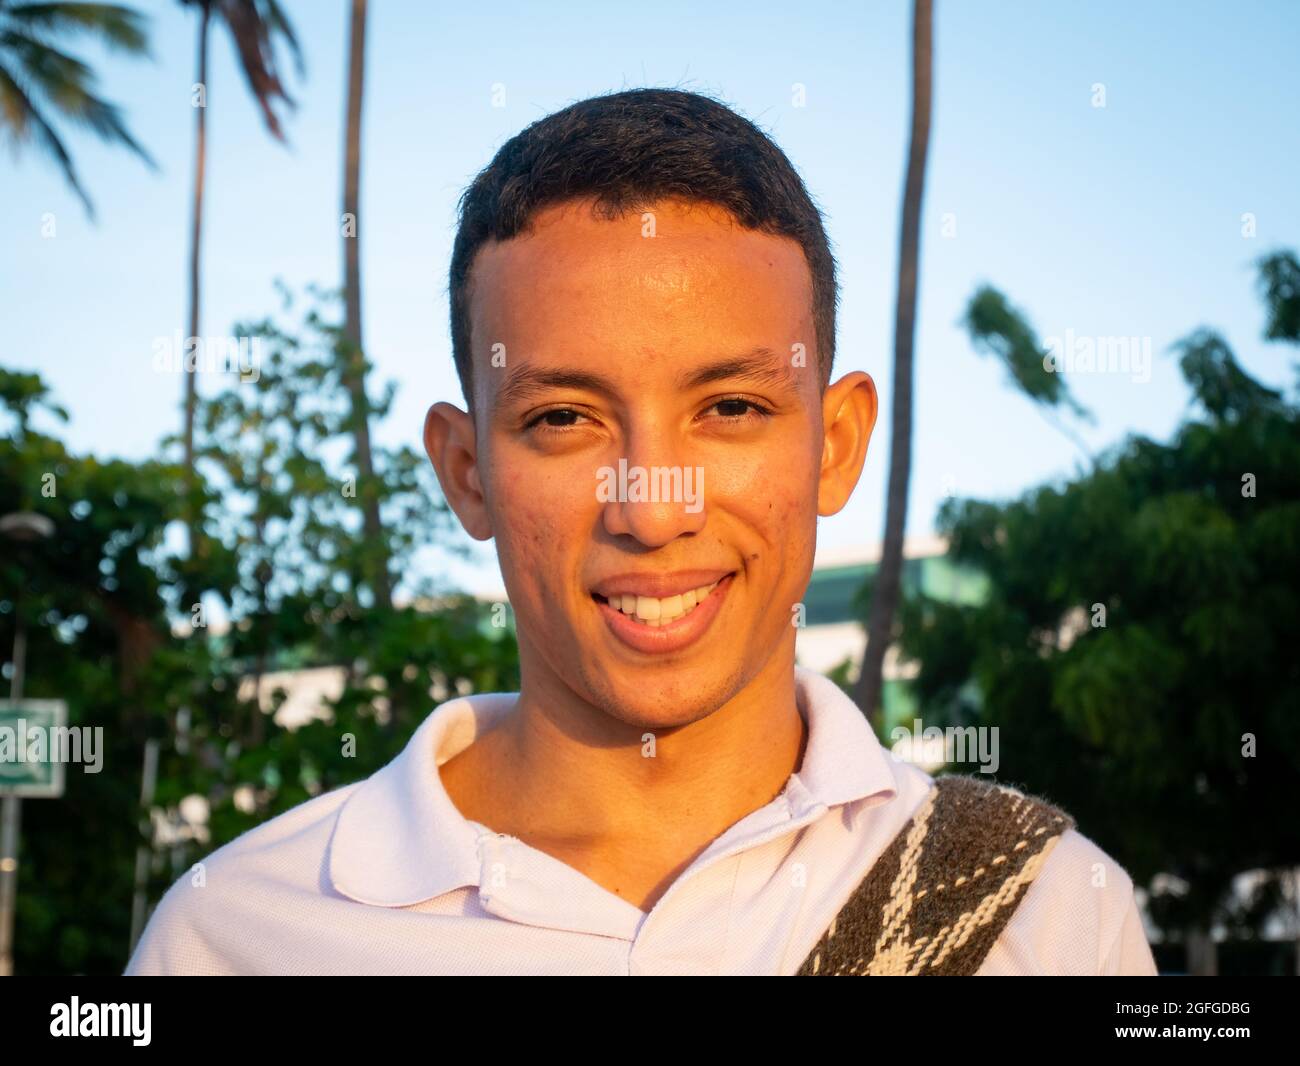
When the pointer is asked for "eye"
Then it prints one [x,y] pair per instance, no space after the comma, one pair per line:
[739,409]
[556,420]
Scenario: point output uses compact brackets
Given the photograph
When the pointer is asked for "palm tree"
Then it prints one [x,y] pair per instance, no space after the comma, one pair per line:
[884,597]
[39,80]
[353,351]
[255,26]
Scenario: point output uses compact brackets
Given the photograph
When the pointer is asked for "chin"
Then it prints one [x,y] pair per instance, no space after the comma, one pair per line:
[655,704]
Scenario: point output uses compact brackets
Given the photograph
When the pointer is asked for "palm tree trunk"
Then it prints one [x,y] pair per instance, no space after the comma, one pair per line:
[884,599]
[354,357]
[196,235]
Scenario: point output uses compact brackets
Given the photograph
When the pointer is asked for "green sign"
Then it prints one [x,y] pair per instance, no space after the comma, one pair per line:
[30,733]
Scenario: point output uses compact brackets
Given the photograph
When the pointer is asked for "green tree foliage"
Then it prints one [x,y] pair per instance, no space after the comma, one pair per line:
[91,598]
[998,329]
[110,610]
[1279,283]
[287,511]
[1136,647]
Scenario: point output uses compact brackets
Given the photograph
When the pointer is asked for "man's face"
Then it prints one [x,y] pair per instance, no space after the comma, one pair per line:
[648,436]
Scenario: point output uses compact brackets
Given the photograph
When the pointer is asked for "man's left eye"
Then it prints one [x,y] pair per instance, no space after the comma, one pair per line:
[560,418]
[736,408]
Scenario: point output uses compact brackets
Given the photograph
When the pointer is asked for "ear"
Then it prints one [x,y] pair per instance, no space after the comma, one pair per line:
[848,416]
[453,449]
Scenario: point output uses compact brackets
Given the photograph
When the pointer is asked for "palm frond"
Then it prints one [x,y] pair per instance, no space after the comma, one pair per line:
[121,28]
[52,71]
[14,114]
[68,85]
[254,26]
[278,22]
[33,124]
[40,82]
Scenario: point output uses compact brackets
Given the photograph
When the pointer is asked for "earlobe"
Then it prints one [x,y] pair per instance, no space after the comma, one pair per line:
[849,410]
[452,447]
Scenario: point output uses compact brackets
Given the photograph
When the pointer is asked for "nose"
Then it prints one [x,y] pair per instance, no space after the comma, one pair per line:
[651,494]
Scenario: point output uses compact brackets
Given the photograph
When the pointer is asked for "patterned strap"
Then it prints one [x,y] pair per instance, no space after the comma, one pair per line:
[936,900]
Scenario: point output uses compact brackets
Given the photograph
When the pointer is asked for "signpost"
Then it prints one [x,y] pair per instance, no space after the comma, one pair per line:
[20,774]
[23,528]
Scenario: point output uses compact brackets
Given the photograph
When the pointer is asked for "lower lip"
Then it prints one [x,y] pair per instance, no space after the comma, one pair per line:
[659,640]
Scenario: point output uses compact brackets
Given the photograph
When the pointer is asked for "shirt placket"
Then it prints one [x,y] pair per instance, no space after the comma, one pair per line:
[519,883]
[670,942]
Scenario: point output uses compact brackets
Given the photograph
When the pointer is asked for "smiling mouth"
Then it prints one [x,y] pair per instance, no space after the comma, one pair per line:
[653,612]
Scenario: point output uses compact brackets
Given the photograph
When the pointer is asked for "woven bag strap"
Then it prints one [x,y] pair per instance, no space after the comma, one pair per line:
[939,896]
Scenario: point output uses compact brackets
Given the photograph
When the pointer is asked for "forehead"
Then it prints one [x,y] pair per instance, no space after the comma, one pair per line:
[654,290]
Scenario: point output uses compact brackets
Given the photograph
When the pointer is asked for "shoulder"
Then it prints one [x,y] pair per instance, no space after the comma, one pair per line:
[1078,912]
[258,873]
[1078,917]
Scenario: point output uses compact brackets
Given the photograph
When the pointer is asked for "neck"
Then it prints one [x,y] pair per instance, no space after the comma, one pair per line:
[571,780]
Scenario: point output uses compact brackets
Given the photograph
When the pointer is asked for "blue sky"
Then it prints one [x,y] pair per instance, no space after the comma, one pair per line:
[1123,220]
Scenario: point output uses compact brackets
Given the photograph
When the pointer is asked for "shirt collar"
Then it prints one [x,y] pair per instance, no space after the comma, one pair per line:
[399,840]
[843,760]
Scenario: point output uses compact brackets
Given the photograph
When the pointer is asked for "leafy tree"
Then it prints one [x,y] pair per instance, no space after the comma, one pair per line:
[112,629]
[1002,331]
[1135,648]
[276,456]
[1279,284]
[998,329]
[96,626]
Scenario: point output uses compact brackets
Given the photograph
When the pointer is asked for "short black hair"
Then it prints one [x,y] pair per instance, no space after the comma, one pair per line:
[627,150]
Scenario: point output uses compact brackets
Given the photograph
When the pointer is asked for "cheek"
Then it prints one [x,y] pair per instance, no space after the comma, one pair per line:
[772,486]
[539,519]
[774,500]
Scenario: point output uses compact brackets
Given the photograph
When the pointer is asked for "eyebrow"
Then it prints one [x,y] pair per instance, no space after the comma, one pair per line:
[759,365]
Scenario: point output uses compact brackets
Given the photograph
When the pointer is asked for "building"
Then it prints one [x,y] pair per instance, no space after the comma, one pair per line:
[834,636]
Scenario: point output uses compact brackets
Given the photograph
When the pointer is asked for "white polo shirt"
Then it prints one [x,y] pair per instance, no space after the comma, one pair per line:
[387,877]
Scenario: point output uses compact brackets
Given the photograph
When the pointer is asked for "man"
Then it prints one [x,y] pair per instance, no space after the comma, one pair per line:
[643,322]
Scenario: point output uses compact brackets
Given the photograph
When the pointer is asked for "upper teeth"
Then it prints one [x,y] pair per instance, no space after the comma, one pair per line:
[656,612]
